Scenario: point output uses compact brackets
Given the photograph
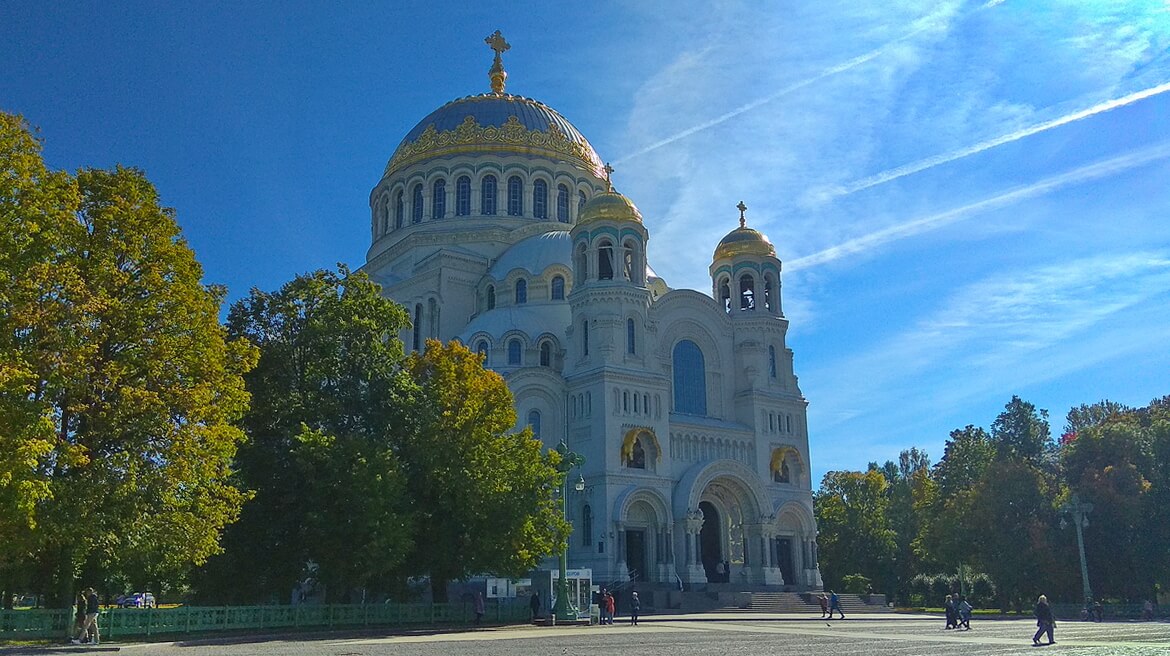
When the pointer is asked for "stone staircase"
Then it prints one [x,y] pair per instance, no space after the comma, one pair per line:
[802,603]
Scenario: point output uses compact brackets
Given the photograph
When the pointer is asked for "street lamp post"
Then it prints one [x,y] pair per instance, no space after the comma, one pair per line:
[564,609]
[1079,513]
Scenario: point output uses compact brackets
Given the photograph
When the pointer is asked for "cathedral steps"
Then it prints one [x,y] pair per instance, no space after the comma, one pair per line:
[803,603]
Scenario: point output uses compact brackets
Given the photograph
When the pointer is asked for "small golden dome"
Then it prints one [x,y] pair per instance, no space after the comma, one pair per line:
[744,241]
[609,206]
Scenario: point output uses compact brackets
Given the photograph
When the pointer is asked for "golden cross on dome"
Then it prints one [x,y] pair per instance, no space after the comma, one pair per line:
[608,172]
[742,208]
[497,74]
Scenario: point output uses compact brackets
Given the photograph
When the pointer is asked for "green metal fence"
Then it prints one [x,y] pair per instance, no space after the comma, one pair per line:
[146,622]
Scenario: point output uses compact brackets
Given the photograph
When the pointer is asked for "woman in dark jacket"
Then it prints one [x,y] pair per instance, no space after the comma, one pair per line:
[1044,620]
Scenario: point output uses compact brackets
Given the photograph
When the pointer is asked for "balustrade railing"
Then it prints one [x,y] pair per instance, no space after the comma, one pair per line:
[144,623]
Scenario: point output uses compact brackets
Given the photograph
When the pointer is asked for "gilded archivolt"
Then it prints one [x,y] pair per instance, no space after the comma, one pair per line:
[512,136]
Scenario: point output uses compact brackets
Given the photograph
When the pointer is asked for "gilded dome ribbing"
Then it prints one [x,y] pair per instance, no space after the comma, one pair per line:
[609,206]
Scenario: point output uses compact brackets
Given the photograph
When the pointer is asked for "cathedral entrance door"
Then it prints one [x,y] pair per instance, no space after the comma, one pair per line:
[784,560]
[636,554]
[711,542]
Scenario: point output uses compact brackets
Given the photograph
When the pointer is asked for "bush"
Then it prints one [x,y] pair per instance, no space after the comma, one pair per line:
[982,590]
[855,584]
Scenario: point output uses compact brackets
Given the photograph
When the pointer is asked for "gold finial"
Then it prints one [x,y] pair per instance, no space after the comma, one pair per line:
[742,208]
[608,172]
[496,73]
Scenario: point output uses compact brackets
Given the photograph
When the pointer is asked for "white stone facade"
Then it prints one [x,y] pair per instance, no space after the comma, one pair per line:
[687,467]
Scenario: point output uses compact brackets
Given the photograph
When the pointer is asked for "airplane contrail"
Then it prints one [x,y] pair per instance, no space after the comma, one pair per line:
[1101,169]
[931,162]
[926,23]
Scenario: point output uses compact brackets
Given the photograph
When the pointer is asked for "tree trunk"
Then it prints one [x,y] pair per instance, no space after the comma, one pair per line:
[65,574]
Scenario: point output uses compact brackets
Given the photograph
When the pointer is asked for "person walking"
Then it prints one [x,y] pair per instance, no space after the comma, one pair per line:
[949,608]
[1044,620]
[479,608]
[90,627]
[824,602]
[835,604]
[965,614]
[610,607]
[79,616]
[635,607]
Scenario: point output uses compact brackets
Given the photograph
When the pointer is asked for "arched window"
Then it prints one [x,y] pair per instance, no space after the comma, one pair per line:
[605,261]
[417,326]
[540,199]
[582,260]
[772,361]
[747,293]
[770,293]
[487,195]
[416,204]
[562,203]
[586,526]
[514,352]
[638,457]
[629,260]
[580,203]
[558,288]
[631,348]
[399,210]
[482,349]
[584,338]
[463,196]
[521,291]
[534,422]
[491,297]
[515,196]
[439,199]
[690,379]
[545,354]
[725,295]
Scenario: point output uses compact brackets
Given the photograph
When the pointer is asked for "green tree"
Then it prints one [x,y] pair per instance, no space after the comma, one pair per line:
[331,406]
[946,499]
[906,480]
[854,534]
[482,492]
[113,347]
[1021,432]
[1112,463]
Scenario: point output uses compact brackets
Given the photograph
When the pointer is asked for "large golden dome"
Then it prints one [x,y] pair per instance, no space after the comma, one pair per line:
[609,206]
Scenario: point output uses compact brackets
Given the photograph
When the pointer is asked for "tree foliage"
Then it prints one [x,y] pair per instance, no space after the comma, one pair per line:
[330,407]
[994,505]
[119,386]
[481,491]
[854,530]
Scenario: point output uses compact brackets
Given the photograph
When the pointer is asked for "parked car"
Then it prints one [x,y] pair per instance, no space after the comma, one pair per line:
[138,600]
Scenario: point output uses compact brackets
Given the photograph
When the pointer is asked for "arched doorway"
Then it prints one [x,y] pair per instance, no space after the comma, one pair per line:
[711,542]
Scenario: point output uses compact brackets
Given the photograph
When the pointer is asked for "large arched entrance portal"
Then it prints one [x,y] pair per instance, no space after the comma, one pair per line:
[711,542]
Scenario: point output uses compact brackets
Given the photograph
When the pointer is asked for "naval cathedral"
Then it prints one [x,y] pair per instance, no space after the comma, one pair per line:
[495,223]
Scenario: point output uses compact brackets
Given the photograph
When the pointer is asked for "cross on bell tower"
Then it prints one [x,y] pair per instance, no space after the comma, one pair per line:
[742,208]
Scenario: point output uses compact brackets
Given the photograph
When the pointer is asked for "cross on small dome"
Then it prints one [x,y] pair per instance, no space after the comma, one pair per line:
[742,208]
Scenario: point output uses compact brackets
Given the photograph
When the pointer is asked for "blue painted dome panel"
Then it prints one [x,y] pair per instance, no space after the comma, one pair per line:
[493,110]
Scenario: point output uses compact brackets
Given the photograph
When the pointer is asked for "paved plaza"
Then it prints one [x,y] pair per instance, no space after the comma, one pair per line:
[684,635]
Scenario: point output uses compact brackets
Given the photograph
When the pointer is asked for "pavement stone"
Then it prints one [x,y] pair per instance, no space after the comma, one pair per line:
[730,634]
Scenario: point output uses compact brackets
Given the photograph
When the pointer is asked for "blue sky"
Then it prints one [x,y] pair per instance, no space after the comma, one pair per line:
[971,199]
